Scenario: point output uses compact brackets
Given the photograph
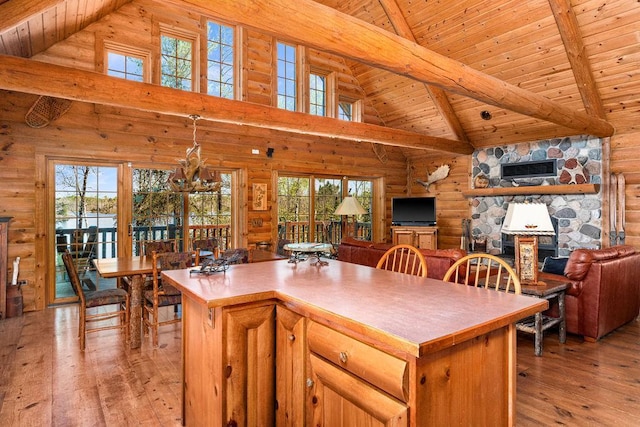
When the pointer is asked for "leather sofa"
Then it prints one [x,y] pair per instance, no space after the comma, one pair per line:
[369,253]
[603,292]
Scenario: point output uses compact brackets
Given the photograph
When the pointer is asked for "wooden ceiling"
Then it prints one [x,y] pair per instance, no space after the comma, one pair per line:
[540,68]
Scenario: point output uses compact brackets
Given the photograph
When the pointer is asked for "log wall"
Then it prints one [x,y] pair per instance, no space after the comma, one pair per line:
[95,132]
[119,136]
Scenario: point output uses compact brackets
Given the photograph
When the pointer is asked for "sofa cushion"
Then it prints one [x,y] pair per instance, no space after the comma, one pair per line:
[357,242]
[369,253]
[554,265]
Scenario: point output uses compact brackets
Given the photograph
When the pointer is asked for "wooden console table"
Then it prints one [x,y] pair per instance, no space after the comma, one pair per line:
[345,342]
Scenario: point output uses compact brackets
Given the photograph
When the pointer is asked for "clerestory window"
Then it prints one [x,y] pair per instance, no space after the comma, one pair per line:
[177,59]
[287,77]
[220,60]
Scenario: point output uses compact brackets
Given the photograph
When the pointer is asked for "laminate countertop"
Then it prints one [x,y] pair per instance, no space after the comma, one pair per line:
[410,314]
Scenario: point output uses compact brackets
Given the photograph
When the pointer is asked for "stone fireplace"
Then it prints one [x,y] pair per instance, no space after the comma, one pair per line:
[578,216]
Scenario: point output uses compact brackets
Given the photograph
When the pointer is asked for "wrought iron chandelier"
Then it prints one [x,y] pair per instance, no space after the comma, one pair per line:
[193,176]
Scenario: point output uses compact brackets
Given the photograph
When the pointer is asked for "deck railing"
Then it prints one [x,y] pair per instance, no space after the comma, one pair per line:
[325,231]
[106,246]
[292,231]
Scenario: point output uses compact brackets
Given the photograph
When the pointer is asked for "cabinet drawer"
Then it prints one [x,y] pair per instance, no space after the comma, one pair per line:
[378,368]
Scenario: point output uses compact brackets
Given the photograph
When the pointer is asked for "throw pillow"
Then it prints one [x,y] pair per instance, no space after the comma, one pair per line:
[554,265]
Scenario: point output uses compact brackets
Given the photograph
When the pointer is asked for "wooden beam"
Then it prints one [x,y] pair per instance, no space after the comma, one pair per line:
[14,12]
[29,76]
[572,40]
[324,28]
[438,96]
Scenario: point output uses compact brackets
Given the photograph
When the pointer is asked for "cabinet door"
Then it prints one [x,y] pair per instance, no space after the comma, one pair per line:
[340,399]
[290,368]
[403,237]
[426,239]
[249,366]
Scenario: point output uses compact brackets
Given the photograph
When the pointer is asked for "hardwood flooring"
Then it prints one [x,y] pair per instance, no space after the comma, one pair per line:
[46,380]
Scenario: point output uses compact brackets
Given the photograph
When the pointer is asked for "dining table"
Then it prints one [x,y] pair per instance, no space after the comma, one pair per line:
[136,268]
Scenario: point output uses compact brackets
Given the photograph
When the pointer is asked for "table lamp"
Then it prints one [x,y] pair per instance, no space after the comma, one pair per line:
[350,206]
[527,221]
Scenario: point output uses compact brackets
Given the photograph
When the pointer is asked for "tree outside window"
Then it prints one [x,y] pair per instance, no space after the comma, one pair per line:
[287,96]
[176,63]
[220,60]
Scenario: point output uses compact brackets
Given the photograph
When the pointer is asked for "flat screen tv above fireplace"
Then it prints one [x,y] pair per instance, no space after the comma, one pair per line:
[413,211]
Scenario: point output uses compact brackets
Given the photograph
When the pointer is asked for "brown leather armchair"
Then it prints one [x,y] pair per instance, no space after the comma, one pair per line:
[604,290]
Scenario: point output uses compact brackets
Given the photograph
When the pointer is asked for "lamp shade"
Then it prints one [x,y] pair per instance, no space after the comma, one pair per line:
[350,206]
[528,219]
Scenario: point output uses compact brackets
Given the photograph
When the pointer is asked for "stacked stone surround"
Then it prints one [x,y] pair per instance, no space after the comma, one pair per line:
[579,215]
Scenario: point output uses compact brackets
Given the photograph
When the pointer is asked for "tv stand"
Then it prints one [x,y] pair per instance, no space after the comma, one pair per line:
[422,237]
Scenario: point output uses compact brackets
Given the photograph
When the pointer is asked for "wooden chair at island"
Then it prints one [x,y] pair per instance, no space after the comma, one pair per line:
[163,295]
[404,259]
[484,270]
[97,299]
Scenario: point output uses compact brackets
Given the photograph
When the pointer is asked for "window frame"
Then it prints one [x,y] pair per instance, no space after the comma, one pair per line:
[299,74]
[312,197]
[130,51]
[237,35]
[196,53]
[329,91]
[356,108]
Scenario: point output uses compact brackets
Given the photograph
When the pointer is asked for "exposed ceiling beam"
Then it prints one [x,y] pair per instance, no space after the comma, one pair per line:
[29,76]
[16,12]
[572,38]
[327,29]
[438,96]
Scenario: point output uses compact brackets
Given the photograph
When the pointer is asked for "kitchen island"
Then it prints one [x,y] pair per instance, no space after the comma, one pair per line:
[294,344]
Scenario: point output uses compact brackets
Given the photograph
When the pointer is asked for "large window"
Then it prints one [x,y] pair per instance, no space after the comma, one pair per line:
[363,191]
[294,205]
[220,60]
[157,210]
[287,80]
[327,197]
[177,61]
[306,207]
[210,214]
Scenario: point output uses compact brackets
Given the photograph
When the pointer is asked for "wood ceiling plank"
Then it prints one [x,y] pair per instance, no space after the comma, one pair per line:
[437,95]
[14,13]
[572,39]
[323,28]
[23,75]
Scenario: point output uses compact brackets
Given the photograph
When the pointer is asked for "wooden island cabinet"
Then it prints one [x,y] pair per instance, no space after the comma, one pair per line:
[343,344]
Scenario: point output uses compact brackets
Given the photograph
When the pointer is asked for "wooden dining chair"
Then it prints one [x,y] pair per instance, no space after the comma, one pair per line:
[159,246]
[164,295]
[484,270]
[97,299]
[404,259]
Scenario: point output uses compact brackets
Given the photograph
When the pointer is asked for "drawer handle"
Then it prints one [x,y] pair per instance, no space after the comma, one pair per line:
[343,356]
[292,337]
[309,382]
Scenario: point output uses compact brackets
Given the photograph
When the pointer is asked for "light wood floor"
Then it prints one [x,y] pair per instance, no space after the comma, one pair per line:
[45,380]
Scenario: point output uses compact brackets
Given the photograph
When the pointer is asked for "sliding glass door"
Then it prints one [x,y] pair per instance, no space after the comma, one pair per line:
[85,215]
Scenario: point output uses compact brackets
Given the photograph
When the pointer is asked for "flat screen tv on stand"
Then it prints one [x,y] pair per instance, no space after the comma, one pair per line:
[413,211]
